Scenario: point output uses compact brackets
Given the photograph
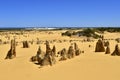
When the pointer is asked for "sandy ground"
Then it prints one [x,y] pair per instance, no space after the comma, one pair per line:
[87,66]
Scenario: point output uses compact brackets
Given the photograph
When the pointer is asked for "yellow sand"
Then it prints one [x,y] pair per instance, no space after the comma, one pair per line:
[87,66]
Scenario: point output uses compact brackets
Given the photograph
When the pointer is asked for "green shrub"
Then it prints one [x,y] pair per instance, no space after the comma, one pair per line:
[86,32]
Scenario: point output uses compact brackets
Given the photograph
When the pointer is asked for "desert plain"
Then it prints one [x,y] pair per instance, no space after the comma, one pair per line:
[89,65]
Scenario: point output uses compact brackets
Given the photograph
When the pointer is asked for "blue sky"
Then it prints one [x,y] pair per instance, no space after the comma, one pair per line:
[50,13]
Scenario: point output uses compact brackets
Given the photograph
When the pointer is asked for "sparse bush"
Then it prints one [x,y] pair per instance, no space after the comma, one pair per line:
[86,32]
[67,33]
[108,29]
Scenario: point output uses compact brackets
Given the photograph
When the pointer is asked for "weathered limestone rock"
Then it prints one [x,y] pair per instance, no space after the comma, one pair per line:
[116,51]
[63,54]
[49,58]
[25,44]
[54,50]
[71,52]
[39,56]
[107,50]
[77,50]
[99,46]
[12,52]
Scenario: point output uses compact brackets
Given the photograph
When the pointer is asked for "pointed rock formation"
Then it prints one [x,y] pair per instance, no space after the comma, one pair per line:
[71,52]
[49,58]
[25,44]
[76,46]
[63,54]
[99,46]
[107,50]
[116,52]
[12,52]
[54,50]
[39,56]
[77,50]
[48,49]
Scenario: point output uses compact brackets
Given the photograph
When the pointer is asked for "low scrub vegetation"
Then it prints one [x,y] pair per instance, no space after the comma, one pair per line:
[86,32]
